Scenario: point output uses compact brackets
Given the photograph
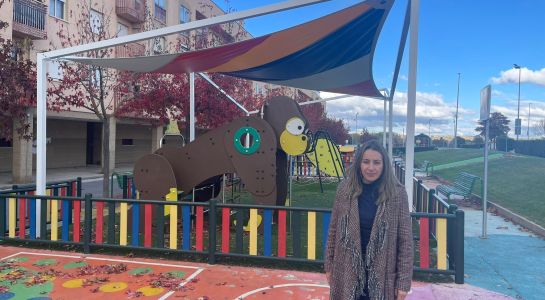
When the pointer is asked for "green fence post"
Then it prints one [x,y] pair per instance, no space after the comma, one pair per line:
[87,223]
[418,199]
[112,184]
[239,231]
[429,209]
[459,253]
[212,232]
[124,183]
[296,233]
[78,187]
[451,235]
[3,218]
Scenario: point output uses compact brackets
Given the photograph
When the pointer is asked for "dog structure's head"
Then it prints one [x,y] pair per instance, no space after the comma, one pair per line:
[289,124]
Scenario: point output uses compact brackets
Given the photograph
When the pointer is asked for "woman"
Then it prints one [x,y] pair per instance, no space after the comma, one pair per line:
[369,248]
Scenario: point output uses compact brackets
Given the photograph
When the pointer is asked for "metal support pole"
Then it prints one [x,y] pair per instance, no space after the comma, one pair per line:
[191,106]
[384,126]
[400,51]
[528,133]
[517,133]
[485,180]
[41,133]
[456,117]
[390,128]
[411,103]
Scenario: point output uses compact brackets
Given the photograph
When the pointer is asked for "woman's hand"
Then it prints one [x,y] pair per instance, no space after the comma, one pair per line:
[328,276]
[400,295]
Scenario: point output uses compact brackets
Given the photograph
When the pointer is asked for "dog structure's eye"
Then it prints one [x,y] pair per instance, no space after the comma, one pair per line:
[295,126]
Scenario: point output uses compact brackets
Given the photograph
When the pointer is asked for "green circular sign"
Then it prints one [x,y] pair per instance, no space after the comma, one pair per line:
[255,140]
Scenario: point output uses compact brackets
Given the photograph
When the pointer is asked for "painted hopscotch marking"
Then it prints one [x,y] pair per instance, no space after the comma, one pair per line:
[278,286]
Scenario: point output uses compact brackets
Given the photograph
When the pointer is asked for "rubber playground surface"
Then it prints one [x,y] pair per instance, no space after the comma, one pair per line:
[41,274]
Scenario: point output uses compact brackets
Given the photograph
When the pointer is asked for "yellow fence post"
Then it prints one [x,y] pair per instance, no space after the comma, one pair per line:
[441,233]
[123,223]
[253,231]
[12,217]
[173,210]
[311,237]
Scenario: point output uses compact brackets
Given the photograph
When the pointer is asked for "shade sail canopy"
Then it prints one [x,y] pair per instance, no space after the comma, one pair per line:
[333,53]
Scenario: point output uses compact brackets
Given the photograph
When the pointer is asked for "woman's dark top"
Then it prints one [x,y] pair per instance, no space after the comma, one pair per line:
[367,204]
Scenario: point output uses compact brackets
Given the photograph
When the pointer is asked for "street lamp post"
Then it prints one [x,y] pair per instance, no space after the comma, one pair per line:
[456,117]
[429,130]
[517,121]
[528,133]
[356,123]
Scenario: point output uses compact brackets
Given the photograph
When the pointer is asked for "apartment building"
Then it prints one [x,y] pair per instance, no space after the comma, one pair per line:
[75,137]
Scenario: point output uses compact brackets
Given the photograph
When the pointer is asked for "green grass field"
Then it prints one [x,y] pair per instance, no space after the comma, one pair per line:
[446,156]
[516,182]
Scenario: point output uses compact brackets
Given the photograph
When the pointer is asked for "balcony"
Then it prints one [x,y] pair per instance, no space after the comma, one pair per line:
[130,50]
[29,19]
[133,11]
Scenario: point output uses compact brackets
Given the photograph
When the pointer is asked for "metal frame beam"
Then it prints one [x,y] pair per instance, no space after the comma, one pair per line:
[42,58]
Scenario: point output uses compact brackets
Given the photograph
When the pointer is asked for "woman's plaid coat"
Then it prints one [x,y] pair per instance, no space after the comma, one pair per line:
[390,267]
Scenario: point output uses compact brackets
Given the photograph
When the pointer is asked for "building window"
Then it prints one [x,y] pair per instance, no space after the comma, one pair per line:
[127,142]
[185,14]
[95,20]
[5,143]
[56,8]
[54,70]
[122,30]
[160,11]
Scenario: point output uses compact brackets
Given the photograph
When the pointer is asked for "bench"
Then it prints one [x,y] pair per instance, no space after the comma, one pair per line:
[425,167]
[462,186]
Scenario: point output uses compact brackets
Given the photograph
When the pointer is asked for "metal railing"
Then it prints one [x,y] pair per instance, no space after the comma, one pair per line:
[29,18]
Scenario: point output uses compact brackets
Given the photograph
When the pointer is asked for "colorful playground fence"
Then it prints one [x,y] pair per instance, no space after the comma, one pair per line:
[210,229]
[24,210]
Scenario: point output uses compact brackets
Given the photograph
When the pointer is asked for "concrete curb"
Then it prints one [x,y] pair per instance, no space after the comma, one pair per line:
[517,219]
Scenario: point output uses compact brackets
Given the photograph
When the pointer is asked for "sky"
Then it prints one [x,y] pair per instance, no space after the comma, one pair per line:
[481,40]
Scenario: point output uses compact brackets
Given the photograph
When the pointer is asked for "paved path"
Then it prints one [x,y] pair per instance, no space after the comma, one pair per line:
[466,162]
[510,260]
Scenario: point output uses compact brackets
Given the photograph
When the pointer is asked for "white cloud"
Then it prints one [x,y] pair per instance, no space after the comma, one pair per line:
[526,76]
[432,113]
[403,77]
